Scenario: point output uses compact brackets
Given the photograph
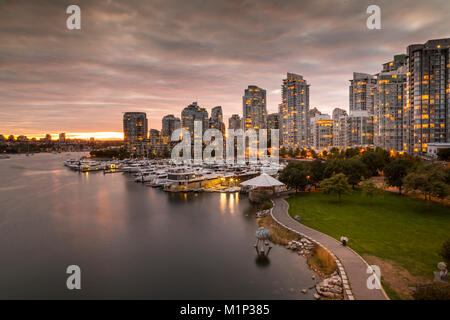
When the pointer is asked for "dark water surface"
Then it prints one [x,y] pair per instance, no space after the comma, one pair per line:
[129,240]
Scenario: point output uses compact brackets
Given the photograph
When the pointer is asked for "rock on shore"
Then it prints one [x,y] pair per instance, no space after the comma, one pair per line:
[330,287]
[302,247]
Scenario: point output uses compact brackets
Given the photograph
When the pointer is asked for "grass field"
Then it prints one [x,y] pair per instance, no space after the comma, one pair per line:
[406,231]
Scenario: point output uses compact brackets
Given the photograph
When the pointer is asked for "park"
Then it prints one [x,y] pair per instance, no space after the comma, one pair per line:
[394,211]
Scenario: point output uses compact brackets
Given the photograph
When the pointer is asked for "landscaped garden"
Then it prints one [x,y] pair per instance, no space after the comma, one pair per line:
[398,229]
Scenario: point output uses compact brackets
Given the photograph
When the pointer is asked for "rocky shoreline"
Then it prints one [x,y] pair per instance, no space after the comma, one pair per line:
[328,285]
[331,287]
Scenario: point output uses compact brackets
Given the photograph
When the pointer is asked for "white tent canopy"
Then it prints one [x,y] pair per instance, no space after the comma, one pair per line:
[264,180]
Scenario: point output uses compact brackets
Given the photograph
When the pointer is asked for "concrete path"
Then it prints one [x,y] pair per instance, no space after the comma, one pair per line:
[355,267]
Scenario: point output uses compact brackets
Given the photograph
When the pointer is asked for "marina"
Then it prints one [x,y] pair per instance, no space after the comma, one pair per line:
[171,177]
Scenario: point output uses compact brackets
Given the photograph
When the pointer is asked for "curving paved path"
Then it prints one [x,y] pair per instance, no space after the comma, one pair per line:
[355,267]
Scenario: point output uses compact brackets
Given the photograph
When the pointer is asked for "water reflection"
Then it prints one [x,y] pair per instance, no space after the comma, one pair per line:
[133,241]
[223,202]
[262,261]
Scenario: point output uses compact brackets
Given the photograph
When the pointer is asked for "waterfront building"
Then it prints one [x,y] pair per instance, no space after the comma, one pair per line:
[62,138]
[390,105]
[359,129]
[170,123]
[339,117]
[234,122]
[321,132]
[254,109]
[314,112]
[135,132]
[155,144]
[273,121]
[294,112]
[427,118]
[362,92]
[193,113]
[359,126]
[216,120]
[48,138]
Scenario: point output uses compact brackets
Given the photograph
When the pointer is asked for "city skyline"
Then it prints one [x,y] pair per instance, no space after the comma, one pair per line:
[80,82]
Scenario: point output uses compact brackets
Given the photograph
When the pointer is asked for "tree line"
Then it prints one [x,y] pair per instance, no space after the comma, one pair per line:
[344,170]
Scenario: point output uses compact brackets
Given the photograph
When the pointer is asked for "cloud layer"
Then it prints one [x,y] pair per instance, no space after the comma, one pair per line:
[158,56]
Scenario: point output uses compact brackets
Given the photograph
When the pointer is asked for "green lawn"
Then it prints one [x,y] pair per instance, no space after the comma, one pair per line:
[406,231]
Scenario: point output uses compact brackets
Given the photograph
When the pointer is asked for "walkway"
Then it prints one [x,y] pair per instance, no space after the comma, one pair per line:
[355,267]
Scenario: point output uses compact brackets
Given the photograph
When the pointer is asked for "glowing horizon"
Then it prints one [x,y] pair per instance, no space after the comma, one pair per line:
[106,135]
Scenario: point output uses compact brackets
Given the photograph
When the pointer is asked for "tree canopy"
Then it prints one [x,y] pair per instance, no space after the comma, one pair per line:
[337,184]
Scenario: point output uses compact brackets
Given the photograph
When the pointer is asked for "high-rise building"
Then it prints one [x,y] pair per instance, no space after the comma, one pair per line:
[294,112]
[191,114]
[361,105]
[359,129]
[62,138]
[135,131]
[339,128]
[170,123]
[216,120]
[254,108]
[428,95]
[234,122]
[273,121]
[314,112]
[362,92]
[321,132]
[390,105]
[155,143]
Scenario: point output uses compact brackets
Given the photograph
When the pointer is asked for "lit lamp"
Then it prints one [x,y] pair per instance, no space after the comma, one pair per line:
[344,240]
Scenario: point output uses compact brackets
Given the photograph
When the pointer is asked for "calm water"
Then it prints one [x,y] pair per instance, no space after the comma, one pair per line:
[130,241]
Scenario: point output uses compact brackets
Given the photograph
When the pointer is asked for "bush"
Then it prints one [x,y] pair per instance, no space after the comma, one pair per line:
[369,188]
[445,252]
[444,154]
[435,291]
[266,205]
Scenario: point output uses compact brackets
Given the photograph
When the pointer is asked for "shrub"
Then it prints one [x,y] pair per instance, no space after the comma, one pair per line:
[445,252]
[435,291]
[369,188]
[266,205]
[323,260]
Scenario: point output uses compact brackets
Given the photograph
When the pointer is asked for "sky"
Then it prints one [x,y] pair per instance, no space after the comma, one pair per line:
[158,56]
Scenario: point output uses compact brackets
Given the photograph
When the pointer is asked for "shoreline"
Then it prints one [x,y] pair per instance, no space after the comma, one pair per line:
[328,283]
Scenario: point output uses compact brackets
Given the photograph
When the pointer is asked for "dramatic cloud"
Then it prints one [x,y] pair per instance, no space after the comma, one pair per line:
[158,56]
